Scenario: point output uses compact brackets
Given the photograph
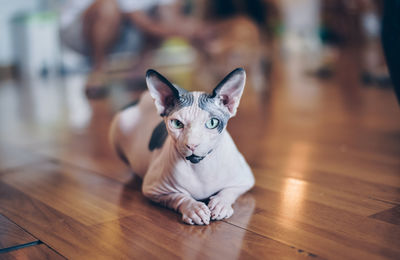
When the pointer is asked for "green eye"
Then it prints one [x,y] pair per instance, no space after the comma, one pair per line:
[176,124]
[212,123]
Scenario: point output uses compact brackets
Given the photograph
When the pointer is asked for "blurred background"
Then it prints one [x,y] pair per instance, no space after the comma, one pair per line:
[59,38]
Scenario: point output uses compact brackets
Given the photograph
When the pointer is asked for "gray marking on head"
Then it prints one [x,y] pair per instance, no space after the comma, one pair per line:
[158,136]
[185,99]
[207,103]
[177,98]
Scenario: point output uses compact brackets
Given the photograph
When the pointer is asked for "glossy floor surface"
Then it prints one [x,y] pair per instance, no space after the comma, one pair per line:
[325,154]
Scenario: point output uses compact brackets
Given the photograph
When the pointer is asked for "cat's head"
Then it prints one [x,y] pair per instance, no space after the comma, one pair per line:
[196,120]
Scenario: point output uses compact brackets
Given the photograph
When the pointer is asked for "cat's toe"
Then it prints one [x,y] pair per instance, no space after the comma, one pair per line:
[226,212]
[222,213]
[216,211]
[204,216]
[220,209]
[197,213]
[196,218]
[187,220]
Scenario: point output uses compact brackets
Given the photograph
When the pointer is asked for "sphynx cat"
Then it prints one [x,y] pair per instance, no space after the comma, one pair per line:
[185,156]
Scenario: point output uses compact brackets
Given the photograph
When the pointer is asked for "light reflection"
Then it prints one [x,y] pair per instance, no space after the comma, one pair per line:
[292,200]
[294,189]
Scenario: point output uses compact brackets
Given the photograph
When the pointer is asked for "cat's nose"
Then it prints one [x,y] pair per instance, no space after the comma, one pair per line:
[192,147]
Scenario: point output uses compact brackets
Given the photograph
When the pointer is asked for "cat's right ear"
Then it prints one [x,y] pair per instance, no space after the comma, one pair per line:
[230,90]
[163,92]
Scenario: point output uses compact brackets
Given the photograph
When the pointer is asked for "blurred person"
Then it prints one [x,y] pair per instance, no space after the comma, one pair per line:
[97,27]
[391,41]
[234,24]
[238,36]
[350,30]
[340,29]
[373,64]
[341,22]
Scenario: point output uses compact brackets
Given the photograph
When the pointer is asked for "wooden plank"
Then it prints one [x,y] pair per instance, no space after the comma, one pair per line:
[342,149]
[32,252]
[347,184]
[291,152]
[206,242]
[12,235]
[304,156]
[61,232]
[88,151]
[86,197]
[149,233]
[271,130]
[328,194]
[325,230]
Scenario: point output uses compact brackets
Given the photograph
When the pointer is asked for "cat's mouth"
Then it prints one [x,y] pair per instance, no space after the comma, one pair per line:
[194,158]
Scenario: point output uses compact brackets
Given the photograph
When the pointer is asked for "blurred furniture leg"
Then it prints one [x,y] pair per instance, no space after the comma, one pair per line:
[391,41]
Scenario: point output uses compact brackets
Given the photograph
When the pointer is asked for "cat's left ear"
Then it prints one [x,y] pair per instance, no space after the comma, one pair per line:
[163,92]
[230,90]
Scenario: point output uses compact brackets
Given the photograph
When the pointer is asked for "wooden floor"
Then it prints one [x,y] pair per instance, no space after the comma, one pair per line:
[325,154]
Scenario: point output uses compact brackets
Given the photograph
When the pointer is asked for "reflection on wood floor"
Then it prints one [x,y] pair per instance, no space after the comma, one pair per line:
[325,153]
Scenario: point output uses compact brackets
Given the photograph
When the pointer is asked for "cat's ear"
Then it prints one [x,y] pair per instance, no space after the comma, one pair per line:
[230,89]
[164,92]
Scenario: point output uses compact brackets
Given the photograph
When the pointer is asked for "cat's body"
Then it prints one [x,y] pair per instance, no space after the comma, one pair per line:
[187,155]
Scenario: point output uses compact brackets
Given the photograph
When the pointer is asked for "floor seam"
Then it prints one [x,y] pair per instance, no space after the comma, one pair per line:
[384,201]
[13,248]
[33,243]
[301,251]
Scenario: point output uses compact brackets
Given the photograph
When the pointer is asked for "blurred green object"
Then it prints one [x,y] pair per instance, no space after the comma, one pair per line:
[175,51]
[175,42]
[41,17]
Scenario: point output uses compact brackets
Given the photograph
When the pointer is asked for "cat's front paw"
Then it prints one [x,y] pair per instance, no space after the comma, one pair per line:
[195,213]
[220,208]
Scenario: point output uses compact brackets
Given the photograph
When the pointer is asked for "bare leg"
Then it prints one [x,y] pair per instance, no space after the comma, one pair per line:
[101,26]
